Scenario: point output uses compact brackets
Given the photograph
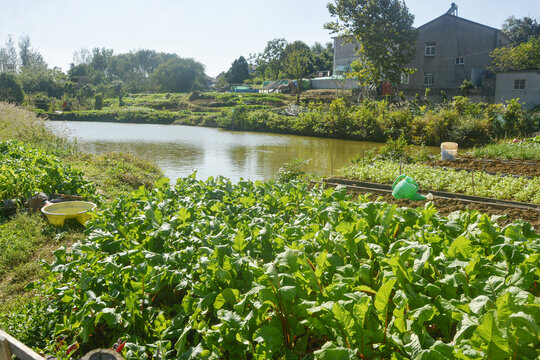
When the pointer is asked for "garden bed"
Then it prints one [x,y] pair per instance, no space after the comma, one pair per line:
[500,166]
[508,211]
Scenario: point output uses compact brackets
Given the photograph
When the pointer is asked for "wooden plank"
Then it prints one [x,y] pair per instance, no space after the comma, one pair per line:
[5,353]
[17,348]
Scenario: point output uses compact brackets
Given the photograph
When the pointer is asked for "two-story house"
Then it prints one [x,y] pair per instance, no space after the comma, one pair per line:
[449,50]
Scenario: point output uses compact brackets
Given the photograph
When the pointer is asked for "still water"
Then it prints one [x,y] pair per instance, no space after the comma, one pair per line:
[179,150]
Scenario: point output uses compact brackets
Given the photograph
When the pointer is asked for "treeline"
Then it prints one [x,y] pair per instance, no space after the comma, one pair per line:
[280,60]
[94,74]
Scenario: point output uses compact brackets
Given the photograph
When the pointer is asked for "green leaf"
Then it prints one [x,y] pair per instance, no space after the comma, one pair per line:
[270,336]
[382,297]
[399,319]
[496,347]
[360,309]
[423,314]
[227,296]
[239,242]
[461,246]
[479,303]
[330,351]
[287,293]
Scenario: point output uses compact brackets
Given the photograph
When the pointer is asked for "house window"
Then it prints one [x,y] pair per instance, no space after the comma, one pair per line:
[519,84]
[460,60]
[428,79]
[405,79]
[430,49]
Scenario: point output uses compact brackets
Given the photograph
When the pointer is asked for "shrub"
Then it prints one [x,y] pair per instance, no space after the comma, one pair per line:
[98,101]
[42,101]
[11,90]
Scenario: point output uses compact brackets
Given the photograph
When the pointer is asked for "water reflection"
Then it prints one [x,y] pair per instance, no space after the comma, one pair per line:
[179,150]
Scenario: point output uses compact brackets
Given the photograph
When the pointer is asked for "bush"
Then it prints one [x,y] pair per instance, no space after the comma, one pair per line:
[42,102]
[11,90]
[98,101]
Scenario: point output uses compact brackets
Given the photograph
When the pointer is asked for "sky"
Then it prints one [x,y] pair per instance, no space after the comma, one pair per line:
[213,32]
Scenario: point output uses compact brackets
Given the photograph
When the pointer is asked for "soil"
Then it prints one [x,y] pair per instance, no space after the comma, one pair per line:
[514,167]
[446,207]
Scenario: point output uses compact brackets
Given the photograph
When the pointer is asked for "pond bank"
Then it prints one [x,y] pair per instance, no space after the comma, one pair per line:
[459,121]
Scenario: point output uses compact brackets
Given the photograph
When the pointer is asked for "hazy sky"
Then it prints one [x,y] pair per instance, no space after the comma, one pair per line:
[213,32]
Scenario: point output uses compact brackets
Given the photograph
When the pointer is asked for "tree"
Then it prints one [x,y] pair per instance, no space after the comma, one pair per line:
[525,56]
[9,61]
[323,56]
[29,58]
[180,75]
[520,30]
[384,33]
[297,64]
[269,62]
[48,81]
[11,90]
[238,72]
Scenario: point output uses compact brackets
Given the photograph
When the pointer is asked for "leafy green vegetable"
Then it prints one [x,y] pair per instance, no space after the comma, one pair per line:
[278,270]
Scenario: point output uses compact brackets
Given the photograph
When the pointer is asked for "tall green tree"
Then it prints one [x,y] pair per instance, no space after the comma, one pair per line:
[48,81]
[180,75]
[269,62]
[520,30]
[297,48]
[384,33]
[11,90]
[9,59]
[323,56]
[238,72]
[525,56]
[30,59]
[297,64]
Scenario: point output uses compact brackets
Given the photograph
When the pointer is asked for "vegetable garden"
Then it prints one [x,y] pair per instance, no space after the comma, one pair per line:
[278,270]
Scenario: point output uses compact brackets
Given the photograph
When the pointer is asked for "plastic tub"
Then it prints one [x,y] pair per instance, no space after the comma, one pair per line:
[449,151]
[59,212]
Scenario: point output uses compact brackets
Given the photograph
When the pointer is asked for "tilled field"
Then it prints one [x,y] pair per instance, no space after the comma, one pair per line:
[513,167]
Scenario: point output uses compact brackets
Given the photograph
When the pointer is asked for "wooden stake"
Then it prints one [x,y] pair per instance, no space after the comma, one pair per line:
[363,155]
[473,192]
[332,164]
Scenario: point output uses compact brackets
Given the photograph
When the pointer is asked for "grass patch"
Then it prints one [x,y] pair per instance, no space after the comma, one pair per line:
[528,149]
[22,125]
[116,174]
[26,240]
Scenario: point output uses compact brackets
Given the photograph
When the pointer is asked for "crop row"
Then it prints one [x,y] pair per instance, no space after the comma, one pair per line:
[272,270]
[452,180]
[26,170]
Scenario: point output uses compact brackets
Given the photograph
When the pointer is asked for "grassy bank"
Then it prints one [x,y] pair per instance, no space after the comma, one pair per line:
[420,122]
[33,160]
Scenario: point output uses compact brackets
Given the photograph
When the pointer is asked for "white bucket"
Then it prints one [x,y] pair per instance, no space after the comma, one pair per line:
[449,150]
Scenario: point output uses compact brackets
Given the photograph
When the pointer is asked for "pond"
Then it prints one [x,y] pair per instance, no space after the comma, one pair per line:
[179,150]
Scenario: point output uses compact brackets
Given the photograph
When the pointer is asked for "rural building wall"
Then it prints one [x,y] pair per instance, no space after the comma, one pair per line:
[459,50]
[509,86]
